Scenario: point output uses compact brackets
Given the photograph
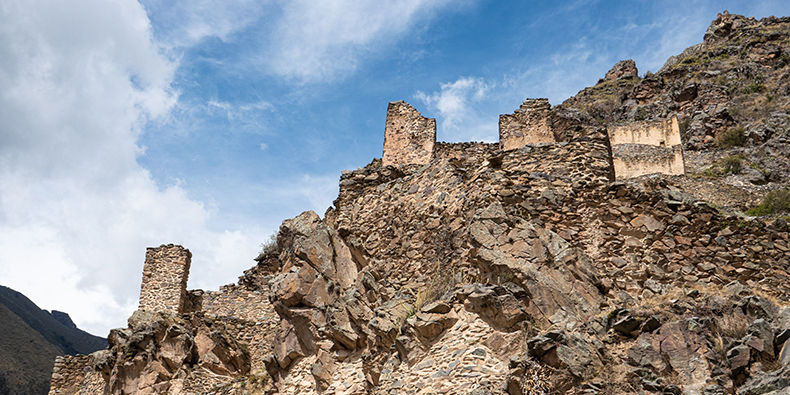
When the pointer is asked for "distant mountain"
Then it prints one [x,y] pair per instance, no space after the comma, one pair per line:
[30,338]
[59,331]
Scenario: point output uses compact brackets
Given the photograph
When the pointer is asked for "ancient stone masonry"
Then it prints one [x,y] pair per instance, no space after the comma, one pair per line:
[662,133]
[529,124]
[647,147]
[75,374]
[165,277]
[535,265]
[408,136]
[219,336]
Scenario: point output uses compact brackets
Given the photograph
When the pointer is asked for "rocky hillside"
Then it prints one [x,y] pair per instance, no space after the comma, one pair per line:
[31,339]
[731,94]
[525,271]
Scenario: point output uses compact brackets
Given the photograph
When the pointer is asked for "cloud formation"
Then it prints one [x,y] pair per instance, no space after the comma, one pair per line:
[319,41]
[79,80]
[459,110]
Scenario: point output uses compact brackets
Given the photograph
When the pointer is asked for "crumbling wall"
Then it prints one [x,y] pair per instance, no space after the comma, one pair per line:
[530,124]
[165,277]
[459,151]
[648,147]
[664,133]
[634,160]
[74,374]
[408,136]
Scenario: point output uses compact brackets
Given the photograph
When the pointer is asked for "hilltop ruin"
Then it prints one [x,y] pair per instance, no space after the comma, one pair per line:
[566,258]
[638,148]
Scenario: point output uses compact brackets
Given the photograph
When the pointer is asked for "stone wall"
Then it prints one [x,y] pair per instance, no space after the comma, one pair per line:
[75,374]
[165,277]
[664,133]
[648,147]
[529,124]
[634,160]
[459,151]
[408,136]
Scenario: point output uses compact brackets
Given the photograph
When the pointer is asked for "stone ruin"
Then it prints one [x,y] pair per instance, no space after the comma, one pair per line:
[165,275]
[408,137]
[647,147]
[545,220]
[530,124]
[638,148]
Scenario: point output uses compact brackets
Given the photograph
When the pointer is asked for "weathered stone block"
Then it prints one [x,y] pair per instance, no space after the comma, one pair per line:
[408,137]
[165,276]
[530,124]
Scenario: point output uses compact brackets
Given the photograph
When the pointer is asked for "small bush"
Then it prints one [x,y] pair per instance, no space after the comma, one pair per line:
[683,126]
[732,164]
[773,203]
[269,246]
[735,137]
[753,88]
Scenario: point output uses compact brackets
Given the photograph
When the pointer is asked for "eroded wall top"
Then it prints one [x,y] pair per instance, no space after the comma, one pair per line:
[530,124]
[165,276]
[647,147]
[408,136]
[664,133]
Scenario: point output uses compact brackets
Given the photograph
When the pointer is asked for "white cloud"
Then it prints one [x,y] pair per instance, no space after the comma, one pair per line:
[316,41]
[185,23]
[78,80]
[459,106]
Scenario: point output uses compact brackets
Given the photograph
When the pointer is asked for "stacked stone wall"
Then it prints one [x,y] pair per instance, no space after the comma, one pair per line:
[634,160]
[647,147]
[74,374]
[165,276]
[530,124]
[252,317]
[645,240]
[664,133]
[409,137]
[439,201]
[462,150]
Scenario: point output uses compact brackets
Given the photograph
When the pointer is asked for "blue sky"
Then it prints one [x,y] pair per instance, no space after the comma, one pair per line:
[206,123]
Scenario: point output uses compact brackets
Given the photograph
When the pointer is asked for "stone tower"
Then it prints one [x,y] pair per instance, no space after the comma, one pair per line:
[408,136]
[528,125]
[165,277]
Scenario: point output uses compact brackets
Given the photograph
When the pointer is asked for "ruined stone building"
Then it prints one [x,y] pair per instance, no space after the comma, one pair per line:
[638,148]
[504,268]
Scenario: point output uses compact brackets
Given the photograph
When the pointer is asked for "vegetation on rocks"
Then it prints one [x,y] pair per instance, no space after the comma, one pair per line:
[775,202]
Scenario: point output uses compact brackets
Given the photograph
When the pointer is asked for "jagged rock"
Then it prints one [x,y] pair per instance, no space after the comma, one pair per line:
[622,69]
[627,325]
[502,311]
[643,354]
[773,383]
[286,345]
[738,357]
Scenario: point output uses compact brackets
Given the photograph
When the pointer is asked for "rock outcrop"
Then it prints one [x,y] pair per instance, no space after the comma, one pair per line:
[528,270]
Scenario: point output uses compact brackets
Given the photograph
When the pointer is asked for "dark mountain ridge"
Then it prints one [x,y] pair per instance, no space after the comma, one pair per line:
[31,338]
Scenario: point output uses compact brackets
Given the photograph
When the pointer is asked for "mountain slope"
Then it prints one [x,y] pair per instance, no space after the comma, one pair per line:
[26,358]
[69,339]
[731,96]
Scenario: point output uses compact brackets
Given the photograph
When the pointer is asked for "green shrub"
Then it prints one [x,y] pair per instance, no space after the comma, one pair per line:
[753,88]
[269,246]
[773,203]
[732,164]
[735,137]
[683,126]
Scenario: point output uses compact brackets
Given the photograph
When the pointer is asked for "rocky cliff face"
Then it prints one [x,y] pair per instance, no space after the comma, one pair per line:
[489,271]
[731,94]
